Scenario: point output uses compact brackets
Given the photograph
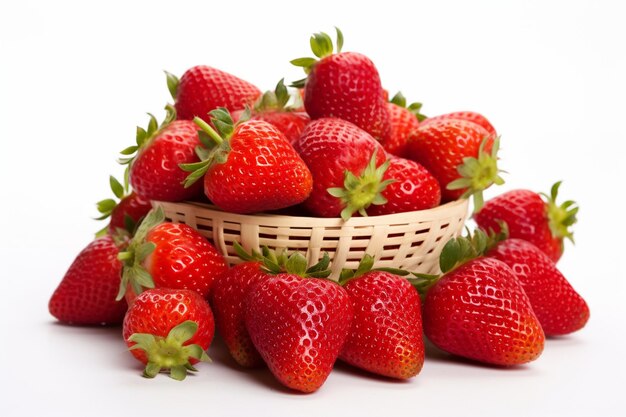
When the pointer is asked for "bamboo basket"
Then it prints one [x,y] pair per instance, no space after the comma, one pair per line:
[411,241]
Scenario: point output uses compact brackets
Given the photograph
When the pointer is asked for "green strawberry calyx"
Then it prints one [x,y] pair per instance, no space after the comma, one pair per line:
[276,262]
[478,173]
[172,84]
[216,142]
[107,206]
[366,265]
[415,108]
[358,193]
[134,274]
[322,46]
[276,100]
[170,352]
[560,217]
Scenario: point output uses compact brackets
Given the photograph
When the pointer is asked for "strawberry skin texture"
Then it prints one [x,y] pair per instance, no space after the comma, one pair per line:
[299,326]
[441,145]
[559,308]
[227,300]
[155,174]
[526,215]
[183,259]
[202,89]
[262,172]
[480,311]
[134,206]
[403,123]
[329,147]
[158,310]
[347,86]
[386,333]
[86,295]
[290,123]
[470,116]
[414,189]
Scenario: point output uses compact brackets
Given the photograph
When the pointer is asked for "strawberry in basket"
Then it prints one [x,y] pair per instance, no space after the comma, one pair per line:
[202,89]
[153,163]
[248,167]
[344,85]
[168,255]
[273,108]
[534,217]
[403,120]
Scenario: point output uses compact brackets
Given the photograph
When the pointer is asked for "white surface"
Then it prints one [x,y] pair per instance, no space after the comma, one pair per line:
[75,79]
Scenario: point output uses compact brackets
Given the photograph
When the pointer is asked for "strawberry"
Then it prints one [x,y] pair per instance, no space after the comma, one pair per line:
[386,333]
[344,85]
[298,324]
[168,329]
[168,255]
[202,89]
[413,188]
[559,308]
[227,300]
[470,116]
[533,217]
[248,167]
[478,309]
[86,295]
[153,161]
[461,154]
[347,165]
[124,214]
[404,120]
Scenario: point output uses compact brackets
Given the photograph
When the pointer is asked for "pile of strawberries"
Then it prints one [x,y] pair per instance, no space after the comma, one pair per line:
[337,147]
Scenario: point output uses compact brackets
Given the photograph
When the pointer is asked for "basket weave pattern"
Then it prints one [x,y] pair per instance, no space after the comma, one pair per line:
[411,241]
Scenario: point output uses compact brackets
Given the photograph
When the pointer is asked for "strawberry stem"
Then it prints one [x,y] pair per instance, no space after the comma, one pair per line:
[206,128]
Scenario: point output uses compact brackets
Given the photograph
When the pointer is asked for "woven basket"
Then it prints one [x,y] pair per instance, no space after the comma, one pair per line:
[411,241]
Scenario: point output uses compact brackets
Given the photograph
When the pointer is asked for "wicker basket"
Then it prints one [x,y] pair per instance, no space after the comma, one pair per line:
[410,241]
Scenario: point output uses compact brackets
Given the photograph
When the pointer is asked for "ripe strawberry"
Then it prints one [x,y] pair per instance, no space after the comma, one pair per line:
[460,154]
[478,309]
[250,167]
[404,120]
[413,188]
[86,295]
[386,333]
[470,116]
[539,221]
[347,165]
[124,214]
[168,255]
[169,329]
[559,308]
[154,170]
[298,324]
[344,85]
[202,89]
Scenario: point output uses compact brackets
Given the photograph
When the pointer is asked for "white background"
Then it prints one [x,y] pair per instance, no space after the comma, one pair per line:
[75,79]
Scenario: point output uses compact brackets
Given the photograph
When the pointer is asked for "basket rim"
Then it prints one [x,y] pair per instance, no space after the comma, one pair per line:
[307,221]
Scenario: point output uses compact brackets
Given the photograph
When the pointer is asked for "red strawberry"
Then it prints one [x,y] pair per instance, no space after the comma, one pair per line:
[479,310]
[413,188]
[347,165]
[202,89]
[298,324]
[344,85]
[386,333]
[404,120]
[250,167]
[272,108]
[124,214]
[559,308]
[169,329]
[539,221]
[154,170]
[460,154]
[86,295]
[470,116]
[169,255]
